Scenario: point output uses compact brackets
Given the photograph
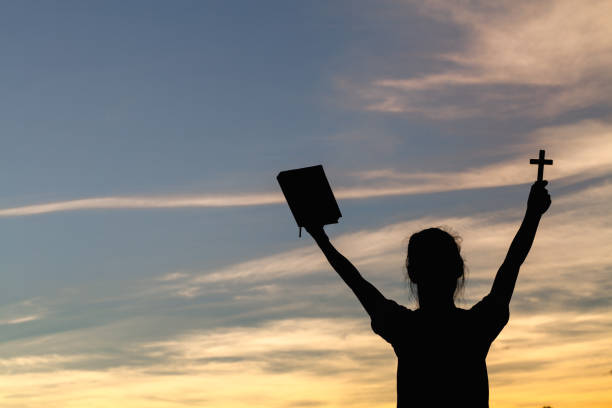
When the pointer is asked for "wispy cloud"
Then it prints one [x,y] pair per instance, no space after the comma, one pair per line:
[266,366]
[562,317]
[518,58]
[229,200]
[323,348]
[21,312]
[37,362]
[22,319]
[580,150]
[569,240]
[173,276]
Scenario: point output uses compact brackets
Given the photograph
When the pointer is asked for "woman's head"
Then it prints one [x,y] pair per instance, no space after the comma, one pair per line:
[434,264]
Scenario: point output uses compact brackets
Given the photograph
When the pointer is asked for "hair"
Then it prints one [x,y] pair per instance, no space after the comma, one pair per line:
[434,251]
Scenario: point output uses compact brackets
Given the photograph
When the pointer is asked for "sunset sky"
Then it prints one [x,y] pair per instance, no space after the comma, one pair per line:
[150,260]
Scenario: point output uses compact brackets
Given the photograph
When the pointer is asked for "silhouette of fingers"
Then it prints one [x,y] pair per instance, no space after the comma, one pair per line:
[540,184]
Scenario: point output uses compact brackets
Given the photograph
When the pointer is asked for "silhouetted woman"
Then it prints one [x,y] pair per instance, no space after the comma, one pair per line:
[441,348]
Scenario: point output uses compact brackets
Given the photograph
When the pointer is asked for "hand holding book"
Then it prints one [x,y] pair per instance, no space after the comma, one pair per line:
[310,197]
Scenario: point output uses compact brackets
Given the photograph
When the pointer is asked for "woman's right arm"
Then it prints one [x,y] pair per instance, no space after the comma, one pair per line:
[371,299]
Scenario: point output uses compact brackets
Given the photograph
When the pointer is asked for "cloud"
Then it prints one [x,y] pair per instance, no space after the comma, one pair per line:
[42,362]
[314,335]
[573,236]
[277,339]
[22,312]
[266,366]
[173,276]
[18,320]
[580,150]
[229,200]
[340,360]
[517,58]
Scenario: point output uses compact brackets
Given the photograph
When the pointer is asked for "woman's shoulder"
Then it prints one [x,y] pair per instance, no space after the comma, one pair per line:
[389,319]
[391,307]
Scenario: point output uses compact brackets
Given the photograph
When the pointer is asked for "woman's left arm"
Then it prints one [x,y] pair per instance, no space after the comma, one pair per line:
[505,280]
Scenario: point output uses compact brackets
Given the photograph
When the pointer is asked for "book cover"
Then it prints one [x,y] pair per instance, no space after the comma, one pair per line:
[309,196]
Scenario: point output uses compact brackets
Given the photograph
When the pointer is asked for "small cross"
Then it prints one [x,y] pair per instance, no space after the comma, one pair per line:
[540,162]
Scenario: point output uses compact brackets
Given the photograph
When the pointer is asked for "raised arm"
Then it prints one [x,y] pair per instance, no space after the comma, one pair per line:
[367,294]
[537,204]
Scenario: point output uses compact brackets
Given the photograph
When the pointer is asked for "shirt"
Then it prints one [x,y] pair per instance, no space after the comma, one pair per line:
[441,355]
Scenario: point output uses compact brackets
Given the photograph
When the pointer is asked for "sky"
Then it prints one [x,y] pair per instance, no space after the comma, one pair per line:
[149,258]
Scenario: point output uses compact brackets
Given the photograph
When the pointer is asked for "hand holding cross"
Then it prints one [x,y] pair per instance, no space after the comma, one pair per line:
[539,199]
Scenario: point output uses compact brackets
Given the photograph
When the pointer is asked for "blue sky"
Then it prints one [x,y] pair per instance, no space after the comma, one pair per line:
[150,260]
